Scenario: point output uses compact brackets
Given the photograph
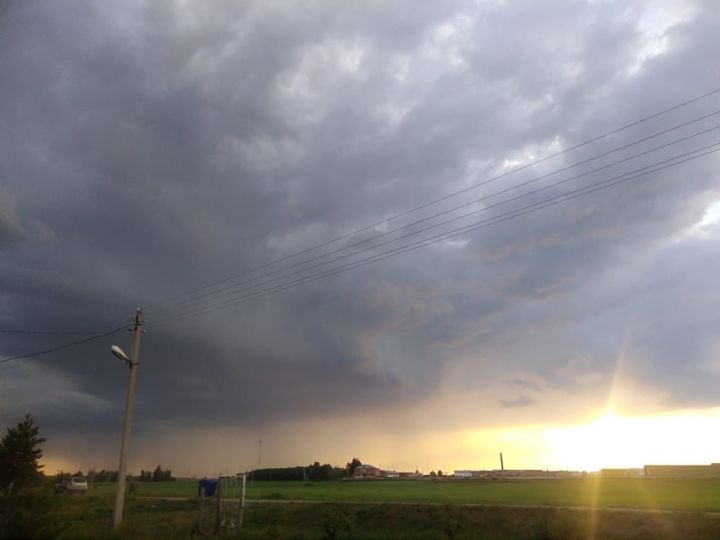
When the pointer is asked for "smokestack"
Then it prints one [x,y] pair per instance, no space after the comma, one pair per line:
[502,465]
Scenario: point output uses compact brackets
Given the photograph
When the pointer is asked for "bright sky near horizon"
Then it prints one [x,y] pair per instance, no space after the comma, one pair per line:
[685,437]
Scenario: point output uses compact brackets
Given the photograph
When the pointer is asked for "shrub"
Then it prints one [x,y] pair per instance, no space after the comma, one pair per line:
[27,514]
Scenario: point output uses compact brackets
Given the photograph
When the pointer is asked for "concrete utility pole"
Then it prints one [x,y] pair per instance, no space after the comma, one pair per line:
[133,365]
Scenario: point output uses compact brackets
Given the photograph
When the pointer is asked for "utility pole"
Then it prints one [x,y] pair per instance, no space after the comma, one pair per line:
[129,402]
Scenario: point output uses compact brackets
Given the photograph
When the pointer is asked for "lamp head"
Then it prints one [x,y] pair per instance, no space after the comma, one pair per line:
[117,351]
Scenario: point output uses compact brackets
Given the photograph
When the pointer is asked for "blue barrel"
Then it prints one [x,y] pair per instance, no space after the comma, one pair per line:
[209,485]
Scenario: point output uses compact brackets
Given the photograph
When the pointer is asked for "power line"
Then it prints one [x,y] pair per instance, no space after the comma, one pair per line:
[234,289]
[393,252]
[64,346]
[437,238]
[498,204]
[386,233]
[427,241]
[45,332]
[196,296]
[580,192]
[435,201]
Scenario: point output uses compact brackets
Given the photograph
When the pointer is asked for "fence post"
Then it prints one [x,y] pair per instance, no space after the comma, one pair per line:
[218,491]
[242,502]
[198,527]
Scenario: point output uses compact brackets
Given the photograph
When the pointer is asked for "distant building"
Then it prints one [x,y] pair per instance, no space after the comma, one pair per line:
[683,471]
[622,473]
[519,473]
[465,473]
[567,474]
[368,471]
[515,474]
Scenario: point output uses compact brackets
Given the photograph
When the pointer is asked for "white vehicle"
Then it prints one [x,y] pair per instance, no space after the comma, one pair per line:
[73,485]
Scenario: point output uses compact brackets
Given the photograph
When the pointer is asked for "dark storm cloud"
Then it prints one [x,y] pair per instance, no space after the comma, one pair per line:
[149,148]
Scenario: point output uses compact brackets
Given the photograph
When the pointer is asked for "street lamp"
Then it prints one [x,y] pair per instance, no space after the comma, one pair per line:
[117,351]
[132,363]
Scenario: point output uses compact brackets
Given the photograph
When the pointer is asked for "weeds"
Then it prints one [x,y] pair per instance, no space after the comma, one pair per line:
[336,523]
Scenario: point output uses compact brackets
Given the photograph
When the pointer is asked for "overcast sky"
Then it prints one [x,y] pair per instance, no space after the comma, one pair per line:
[151,148]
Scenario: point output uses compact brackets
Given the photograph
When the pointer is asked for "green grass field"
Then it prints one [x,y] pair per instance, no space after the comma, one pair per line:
[665,494]
[400,509]
[90,517]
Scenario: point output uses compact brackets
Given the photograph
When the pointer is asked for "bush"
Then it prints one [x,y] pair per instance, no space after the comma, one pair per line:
[336,523]
[27,514]
[451,528]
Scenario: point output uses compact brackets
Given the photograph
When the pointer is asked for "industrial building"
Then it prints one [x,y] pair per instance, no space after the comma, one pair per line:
[683,471]
[512,474]
[622,473]
[665,471]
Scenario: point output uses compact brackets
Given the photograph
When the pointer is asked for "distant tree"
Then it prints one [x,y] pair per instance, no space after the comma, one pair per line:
[158,475]
[350,467]
[432,474]
[440,473]
[106,476]
[61,475]
[314,472]
[19,454]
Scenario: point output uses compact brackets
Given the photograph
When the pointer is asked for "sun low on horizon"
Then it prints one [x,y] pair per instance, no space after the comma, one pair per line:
[612,441]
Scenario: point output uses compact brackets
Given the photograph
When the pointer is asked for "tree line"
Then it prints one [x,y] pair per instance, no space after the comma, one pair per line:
[314,472]
[20,452]
[157,475]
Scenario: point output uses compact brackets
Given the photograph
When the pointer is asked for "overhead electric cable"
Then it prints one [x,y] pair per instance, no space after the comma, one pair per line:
[46,332]
[580,192]
[197,295]
[583,191]
[422,243]
[234,288]
[435,201]
[64,346]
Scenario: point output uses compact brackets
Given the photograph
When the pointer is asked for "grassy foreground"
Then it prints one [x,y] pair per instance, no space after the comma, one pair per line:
[90,517]
[665,494]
